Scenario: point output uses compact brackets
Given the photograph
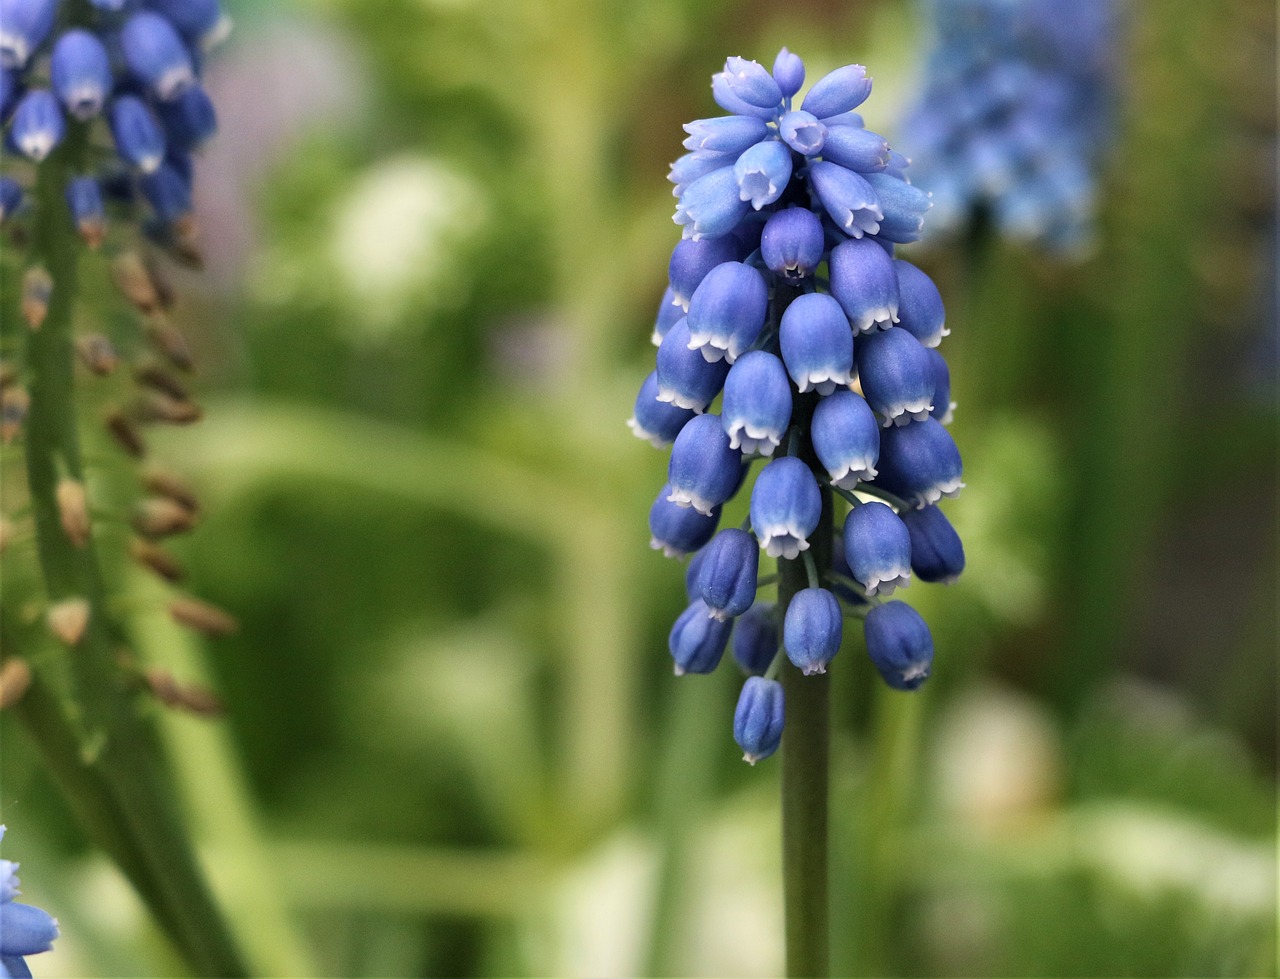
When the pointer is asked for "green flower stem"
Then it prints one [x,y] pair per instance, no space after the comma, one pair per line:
[805,765]
[82,711]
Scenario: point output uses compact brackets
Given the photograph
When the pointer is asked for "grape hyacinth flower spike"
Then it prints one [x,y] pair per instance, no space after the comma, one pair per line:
[24,929]
[797,359]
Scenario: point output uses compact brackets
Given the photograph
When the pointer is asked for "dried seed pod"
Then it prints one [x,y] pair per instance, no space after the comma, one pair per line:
[151,374]
[37,288]
[14,402]
[160,282]
[73,511]
[15,678]
[162,482]
[202,617]
[158,516]
[197,699]
[97,353]
[134,282]
[202,701]
[157,559]
[68,619]
[163,686]
[156,406]
[126,434]
[168,341]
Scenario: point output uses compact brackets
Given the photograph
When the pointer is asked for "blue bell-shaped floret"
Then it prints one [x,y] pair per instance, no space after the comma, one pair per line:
[758,718]
[846,438]
[757,403]
[877,548]
[896,376]
[727,574]
[657,422]
[37,126]
[691,261]
[686,379]
[697,640]
[816,343]
[847,197]
[920,463]
[920,310]
[812,630]
[792,243]
[755,639]
[727,311]
[138,136]
[705,470]
[937,554]
[864,281]
[762,172]
[679,530]
[840,91]
[80,72]
[899,644]
[785,507]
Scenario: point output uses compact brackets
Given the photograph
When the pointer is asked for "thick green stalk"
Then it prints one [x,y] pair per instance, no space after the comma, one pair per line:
[805,770]
[102,752]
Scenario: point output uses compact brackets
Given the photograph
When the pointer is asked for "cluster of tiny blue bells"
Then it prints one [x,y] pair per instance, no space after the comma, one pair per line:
[24,929]
[133,64]
[1014,115]
[788,310]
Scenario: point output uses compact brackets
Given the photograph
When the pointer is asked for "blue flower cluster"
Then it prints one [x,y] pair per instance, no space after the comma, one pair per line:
[786,303]
[128,67]
[1014,115]
[24,930]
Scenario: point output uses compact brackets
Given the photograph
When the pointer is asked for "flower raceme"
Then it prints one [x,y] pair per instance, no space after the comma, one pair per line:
[788,311]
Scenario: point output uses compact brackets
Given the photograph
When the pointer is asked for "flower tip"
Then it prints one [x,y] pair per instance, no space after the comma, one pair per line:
[749,758]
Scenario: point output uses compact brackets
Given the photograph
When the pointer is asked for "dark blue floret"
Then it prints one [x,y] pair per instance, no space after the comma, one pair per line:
[698,640]
[727,575]
[812,630]
[759,718]
[899,644]
[755,639]
[937,555]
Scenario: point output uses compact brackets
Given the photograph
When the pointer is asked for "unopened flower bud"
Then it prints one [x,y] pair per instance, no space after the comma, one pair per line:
[15,678]
[73,511]
[812,630]
[97,353]
[162,482]
[14,402]
[68,620]
[151,375]
[168,341]
[758,719]
[159,516]
[157,559]
[126,434]
[156,406]
[202,617]
[37,288]
[134,282]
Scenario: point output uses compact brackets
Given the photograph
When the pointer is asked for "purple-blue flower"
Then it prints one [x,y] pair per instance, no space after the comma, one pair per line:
[757,403]
[727,573]
[899,644]
[759,718]
[812,630]
[698,639]
[785,507]
[877,548]
[24,929]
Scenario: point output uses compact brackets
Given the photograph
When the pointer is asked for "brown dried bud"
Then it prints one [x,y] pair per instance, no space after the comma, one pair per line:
[37,288]
[15,678]
[203,617]
[14,402]
[156,406]
[163,686]
[93,231]
[168,341]
[6,533]
[97,353]
[151,375]
[156,559]
[184,242]
[202,701]
[134,282]
[73,511]
[158,516]
[162,482]
[68,619]
[8,373]
[196,699]
[126,434]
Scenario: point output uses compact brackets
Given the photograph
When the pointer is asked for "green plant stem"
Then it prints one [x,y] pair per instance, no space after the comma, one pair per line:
[84,717]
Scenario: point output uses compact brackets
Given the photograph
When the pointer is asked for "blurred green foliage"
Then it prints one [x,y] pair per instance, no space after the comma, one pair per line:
[453,745]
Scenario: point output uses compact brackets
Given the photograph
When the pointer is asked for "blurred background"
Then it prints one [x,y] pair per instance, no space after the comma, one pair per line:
[435,235]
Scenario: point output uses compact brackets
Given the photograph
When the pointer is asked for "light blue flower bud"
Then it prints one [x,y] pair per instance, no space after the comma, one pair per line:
[37,125]
[168,191]
[201,22]
[727,311]
[846,438]
[899,644]
[920,463]
[10,197]
[920,310]
[943,406]
[25,930]
[758,718]
[902,206]
[762,173]
[785,507]
[817,344]
[755,639]
[728,573]
[788,72]
[877,548]
[865,283]
[81,73]
[937,554]
[704,470]
[24,24]
[856,149]
[693,166]
[725,134]
[757,403]
[847,197]
[657,422]
[679,530]
[842,90]
[896,376]
[691,261]
[812,630]
[710,206]
[843,119]
[697,640]
[156,56]
[84,199]
[138,136]
[749,84]
[802,132]
[189,120]
[792,243]
[669,314]
[686,379]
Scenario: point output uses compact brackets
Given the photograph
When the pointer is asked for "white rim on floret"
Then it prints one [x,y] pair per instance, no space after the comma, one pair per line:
[640,432]
[949,415]
[714,348]
[687,498]
[875,319]
[36,146]
[85,102]
[823,381]
[668,550]
[785,542]
[671,396]
[13,51]
[888,583]
[916,671]
[949,489]
[857,471]
[753,440]
[904,414]
[173,82]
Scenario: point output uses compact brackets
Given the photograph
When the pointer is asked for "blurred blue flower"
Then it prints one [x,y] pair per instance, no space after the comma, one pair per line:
[24,929]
